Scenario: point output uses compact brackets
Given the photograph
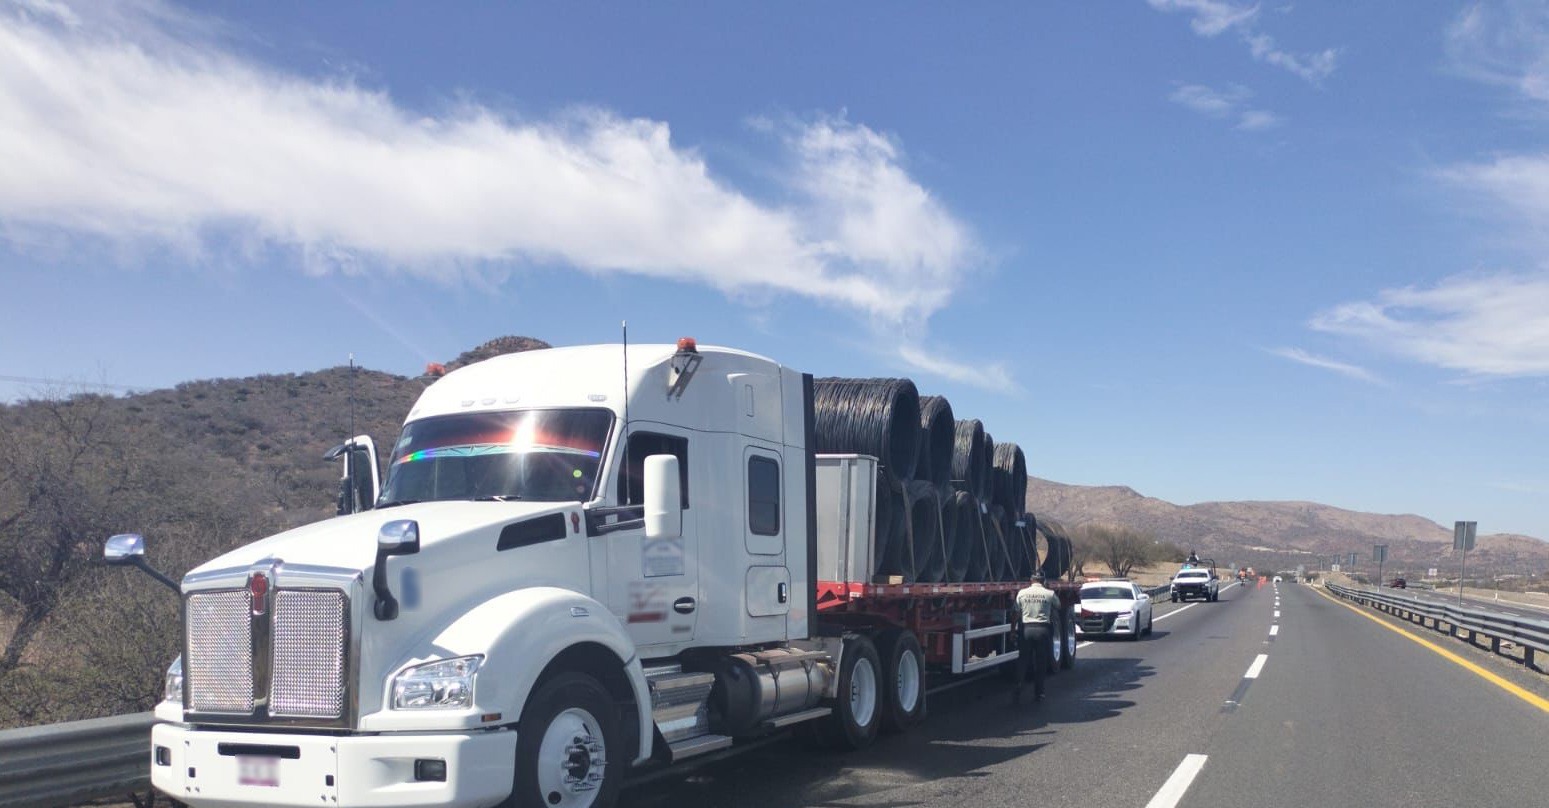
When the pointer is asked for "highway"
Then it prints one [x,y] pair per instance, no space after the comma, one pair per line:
[1334,707]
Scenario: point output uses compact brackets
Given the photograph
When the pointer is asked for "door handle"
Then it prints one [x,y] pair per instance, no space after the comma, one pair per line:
[683,605]
[783,592]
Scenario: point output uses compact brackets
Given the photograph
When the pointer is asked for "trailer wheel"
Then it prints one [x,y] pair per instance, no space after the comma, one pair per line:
[903,678]
[1068,661]
[858,710]
[562,755]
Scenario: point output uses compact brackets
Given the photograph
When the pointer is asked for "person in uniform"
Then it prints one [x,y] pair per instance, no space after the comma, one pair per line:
[1035,605]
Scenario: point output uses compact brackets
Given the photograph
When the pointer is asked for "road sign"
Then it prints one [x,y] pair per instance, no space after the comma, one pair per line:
[1379,553]
[1350,559]
[1463,535]
[1430,573]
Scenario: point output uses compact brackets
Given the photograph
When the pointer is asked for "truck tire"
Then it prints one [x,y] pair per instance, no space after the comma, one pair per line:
[903,678]
[1068,661]
[858,710]
[570,728]
[1055,658]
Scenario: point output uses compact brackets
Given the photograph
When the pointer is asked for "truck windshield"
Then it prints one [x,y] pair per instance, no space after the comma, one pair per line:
[544,455]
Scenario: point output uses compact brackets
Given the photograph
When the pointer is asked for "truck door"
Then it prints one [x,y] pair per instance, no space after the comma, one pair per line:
[654,586]
[768,584]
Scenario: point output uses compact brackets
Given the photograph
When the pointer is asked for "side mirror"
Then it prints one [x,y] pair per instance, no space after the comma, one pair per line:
[398,537]
[663,498]
[123,549]
[128,550]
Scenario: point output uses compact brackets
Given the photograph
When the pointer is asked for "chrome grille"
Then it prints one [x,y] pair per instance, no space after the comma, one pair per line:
[309,641]
[220,652]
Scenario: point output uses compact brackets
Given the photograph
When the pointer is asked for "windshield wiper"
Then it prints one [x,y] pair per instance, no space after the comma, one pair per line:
[496,498]
[396,502]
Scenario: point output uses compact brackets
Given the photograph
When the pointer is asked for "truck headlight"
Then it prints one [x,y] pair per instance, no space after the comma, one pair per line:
[443,685]
[172,688]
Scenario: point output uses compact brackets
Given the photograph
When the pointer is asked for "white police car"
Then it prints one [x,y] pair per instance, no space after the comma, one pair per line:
[1113,608]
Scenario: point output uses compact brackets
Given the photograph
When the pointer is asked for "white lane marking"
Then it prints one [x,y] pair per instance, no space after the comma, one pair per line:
[1273,630]
[1258,665]
[1175,611]
[1277,614]
[1182,777]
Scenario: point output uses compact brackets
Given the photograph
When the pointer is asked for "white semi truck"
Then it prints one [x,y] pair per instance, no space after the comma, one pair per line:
[581,561]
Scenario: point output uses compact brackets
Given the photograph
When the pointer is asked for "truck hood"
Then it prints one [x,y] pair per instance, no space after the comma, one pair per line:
[349,542]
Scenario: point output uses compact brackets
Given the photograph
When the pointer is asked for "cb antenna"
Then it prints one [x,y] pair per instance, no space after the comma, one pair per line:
[624,326]
[349,445]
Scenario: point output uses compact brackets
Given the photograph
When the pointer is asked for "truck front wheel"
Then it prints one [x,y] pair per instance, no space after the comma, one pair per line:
[568,732]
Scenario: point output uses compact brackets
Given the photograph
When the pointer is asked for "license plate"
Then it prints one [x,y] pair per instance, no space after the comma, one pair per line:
[258,771]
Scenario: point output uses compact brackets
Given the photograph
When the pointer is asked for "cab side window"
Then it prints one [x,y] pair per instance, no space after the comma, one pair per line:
[641,446]
[763,496]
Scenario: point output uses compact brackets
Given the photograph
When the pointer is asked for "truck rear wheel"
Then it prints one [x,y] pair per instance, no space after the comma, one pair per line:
[569,729]
[1068,661]
[1055,659]
[858,709]
[903,678]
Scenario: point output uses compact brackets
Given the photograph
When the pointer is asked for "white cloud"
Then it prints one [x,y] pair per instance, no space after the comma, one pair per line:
[1504,43]
[987,375]
[1225,103]
[1210,18]
[139,127]
[1208,101]
[1256,120]
[1313,360]
[1489,325]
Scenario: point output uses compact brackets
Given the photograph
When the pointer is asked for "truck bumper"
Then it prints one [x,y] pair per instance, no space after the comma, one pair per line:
[213,768]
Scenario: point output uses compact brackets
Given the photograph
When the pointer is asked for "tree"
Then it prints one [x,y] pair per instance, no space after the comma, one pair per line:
[1120,548]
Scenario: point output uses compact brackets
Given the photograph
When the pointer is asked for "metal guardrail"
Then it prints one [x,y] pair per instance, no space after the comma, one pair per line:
[62,764]
[1528,634]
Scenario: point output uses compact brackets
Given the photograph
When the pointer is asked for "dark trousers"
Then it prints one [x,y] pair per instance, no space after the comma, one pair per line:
[1033,658]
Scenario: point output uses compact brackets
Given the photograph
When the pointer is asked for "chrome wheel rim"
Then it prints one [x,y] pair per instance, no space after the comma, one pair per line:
[572,759]
[863,692]
[908,683]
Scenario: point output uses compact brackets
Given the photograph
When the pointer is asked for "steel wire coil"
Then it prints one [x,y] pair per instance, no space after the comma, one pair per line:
[937,434]
[891,554]
[959,520]
[987,496]
[877,417]
[1025,553]
[1057,556]
[925,528]
[999,569]
[1010,478]
[970,465]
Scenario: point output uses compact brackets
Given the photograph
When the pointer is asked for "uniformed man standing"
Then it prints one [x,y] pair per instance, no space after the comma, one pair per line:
[1036,604]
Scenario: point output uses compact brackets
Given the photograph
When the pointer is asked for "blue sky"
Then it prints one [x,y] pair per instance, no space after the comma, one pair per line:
[1206,249]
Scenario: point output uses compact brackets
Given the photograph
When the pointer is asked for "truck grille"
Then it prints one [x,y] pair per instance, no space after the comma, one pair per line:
[303,638]
[220,652]
[308,654]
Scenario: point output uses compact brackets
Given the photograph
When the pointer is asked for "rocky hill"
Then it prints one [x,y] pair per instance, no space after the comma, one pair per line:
[1283,533]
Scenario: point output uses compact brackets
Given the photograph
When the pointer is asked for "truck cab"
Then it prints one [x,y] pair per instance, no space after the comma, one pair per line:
[550,524]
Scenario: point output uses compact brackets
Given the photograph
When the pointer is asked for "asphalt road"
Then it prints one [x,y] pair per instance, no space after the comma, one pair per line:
[1341,711]
[1471,602]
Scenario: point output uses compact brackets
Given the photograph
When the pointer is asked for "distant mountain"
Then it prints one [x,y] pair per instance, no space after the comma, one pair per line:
[1284,534]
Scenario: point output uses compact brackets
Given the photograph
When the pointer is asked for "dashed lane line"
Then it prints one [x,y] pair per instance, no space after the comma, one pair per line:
[1182,777]
[1531,698]
[1257,667]
[1273,630]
